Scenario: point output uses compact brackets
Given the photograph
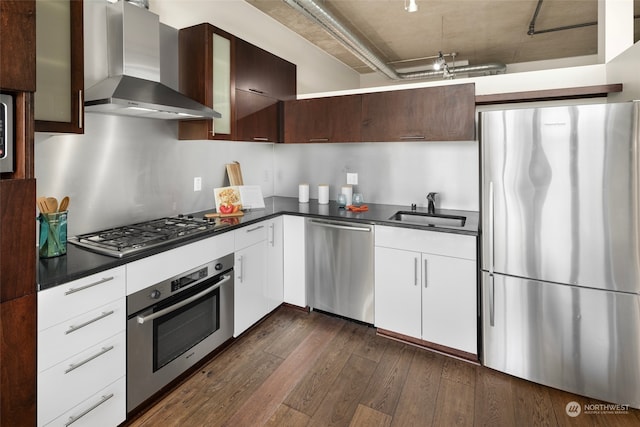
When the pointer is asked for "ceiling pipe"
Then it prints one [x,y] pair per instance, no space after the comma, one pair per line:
[532,25]
[323,17]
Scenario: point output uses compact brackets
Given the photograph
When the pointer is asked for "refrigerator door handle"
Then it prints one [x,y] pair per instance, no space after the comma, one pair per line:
[492,301]
[490,231]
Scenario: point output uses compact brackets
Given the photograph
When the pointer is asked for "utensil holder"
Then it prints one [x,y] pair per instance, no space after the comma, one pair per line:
[53,234]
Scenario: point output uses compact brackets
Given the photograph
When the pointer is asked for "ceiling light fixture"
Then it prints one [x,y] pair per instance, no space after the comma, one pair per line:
[411,7]
[439,62]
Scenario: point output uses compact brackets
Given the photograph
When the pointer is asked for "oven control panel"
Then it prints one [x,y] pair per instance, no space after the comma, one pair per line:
[189,279]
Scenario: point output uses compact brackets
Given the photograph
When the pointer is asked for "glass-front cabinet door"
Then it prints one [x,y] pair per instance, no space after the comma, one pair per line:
[59,100]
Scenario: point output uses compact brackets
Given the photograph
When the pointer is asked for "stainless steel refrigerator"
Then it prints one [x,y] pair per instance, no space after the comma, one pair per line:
[561,247]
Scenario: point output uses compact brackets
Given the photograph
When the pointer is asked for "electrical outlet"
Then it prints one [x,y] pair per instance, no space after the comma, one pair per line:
[197,183]
[352,178]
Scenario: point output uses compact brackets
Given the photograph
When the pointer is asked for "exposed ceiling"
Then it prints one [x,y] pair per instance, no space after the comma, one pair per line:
[479,31]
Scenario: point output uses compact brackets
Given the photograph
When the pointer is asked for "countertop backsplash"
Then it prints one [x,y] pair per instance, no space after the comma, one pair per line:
[399,173]
[125,170]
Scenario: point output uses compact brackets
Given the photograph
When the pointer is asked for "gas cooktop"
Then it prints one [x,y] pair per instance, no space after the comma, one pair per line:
[129,239]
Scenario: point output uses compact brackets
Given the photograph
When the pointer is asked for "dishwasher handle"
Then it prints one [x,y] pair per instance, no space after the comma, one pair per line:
[341,226]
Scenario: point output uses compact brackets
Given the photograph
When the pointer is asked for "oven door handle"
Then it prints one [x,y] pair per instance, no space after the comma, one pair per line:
[143,319]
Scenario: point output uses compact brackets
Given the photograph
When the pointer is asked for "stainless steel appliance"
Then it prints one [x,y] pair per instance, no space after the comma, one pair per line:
[174,324]
[129,239]
[134,86]
[7,142]
[561,247]
[340,268]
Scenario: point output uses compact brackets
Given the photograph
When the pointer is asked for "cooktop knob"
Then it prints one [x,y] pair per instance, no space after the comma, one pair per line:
[155,294]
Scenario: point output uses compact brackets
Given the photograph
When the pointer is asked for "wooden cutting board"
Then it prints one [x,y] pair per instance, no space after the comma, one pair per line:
[235,173]
[221,215]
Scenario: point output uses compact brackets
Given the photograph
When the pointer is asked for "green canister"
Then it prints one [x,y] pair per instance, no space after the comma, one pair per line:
[53,234]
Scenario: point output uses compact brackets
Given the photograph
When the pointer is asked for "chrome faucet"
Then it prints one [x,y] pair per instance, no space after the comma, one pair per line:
[431,208]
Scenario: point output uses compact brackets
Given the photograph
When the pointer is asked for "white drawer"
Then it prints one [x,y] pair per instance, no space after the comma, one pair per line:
[250,235]
[72,381]
[79,296]
[70,337]
[432,242]
[156,268]
[107,408]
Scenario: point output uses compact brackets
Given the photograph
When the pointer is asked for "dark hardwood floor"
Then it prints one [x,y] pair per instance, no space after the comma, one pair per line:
[310,369]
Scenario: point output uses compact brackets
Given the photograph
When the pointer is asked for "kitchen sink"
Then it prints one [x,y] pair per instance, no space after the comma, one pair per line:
[429,219]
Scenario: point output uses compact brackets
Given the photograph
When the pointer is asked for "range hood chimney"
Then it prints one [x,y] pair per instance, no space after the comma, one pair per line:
[133,87]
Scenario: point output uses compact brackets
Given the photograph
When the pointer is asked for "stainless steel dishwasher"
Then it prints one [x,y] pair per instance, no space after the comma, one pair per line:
[340,268]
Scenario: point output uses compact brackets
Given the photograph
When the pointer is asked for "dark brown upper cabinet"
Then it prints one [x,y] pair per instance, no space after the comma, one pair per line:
[258,117]
[442,113]
[261,72]
[206,68]
[59,102]
[262,81]
[18,38]
[330,119]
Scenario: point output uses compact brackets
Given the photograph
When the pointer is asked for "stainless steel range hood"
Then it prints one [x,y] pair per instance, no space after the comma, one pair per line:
[133,87]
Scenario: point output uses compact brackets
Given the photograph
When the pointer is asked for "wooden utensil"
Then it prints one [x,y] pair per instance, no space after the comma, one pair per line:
[235,173]
[42,204]
[64,204]
[52,204]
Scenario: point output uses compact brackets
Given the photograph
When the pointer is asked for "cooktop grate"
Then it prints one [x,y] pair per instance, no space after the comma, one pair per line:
[124,240]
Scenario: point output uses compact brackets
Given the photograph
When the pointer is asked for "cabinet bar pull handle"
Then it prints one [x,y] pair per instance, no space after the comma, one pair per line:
[74,328]
[75,418]
[88,359]
[255,228]
[318,139]
[80,108]
[425,273]
[415,272]
[241,262]
[412,137]
[261,138]
[272,227]
[255,90]
[90,285]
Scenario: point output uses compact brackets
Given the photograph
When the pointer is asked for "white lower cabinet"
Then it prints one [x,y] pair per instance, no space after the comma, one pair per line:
[398,291]
[82,351]
[259,272]
[294,243]
[275,266]
[102,409]
[426,286]
[249,299]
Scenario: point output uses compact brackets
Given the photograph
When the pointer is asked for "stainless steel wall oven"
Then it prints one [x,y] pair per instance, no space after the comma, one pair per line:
[174,324]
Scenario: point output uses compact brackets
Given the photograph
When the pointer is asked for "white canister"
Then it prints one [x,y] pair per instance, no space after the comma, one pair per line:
[323,194]
[303,193]
[347,190]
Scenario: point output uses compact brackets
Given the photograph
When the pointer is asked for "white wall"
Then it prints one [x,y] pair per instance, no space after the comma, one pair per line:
[317,71]
[625,69]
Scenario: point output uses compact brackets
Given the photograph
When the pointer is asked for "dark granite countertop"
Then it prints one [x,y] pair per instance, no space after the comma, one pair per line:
[78,262]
